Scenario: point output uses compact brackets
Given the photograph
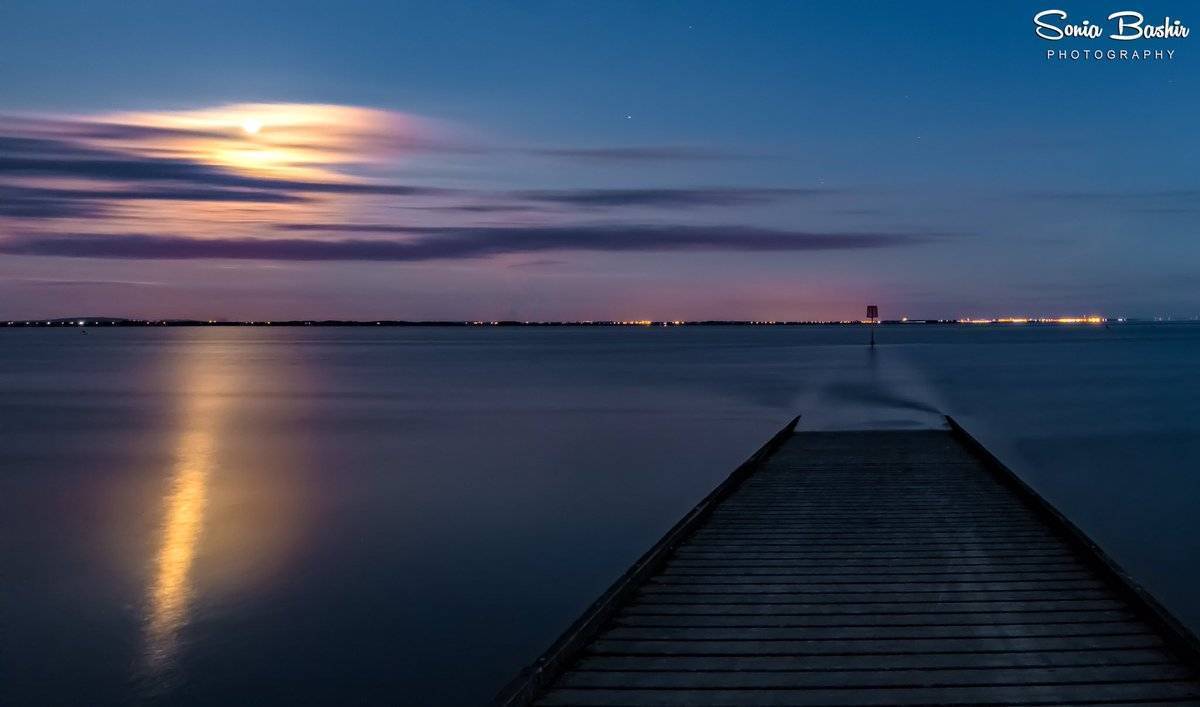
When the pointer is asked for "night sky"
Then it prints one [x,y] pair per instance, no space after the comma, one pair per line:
[571,160]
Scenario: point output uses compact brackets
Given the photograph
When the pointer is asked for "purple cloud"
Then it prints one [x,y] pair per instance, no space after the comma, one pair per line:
[660,153]
[456,243]
[676,198]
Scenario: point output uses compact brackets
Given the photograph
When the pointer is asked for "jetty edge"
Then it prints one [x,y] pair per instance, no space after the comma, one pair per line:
[530,681]
[1182,639]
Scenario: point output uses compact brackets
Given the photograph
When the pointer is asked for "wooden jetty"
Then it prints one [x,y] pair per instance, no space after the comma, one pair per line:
[870,568]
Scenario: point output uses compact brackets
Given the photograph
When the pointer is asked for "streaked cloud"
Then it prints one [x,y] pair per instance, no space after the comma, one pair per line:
[667,197]
[284,140]
[432,243]
[642,153]
[53,158]
[1132,195]
[44,202]
[67,283]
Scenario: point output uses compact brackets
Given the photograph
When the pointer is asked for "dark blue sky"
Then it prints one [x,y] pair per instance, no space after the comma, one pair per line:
[572,160]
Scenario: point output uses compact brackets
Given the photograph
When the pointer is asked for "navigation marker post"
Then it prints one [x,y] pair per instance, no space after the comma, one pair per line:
[872,319]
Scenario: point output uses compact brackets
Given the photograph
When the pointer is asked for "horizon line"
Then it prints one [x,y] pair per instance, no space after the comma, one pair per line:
[79,322]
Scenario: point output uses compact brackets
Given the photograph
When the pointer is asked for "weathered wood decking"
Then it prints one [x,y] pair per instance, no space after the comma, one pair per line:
[870,568]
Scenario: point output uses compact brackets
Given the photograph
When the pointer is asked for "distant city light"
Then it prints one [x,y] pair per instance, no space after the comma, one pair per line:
[1090,319]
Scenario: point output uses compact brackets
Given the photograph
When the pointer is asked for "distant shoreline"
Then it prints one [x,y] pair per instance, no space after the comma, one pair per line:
[98,322]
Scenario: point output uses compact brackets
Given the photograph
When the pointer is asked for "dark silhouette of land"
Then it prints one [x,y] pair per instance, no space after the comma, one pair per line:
[125,322]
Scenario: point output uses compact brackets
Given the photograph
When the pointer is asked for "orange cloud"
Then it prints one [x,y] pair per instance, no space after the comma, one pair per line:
[277,140]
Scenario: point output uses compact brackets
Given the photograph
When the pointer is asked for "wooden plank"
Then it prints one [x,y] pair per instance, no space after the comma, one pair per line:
[878,609]
[943,618]
[668,594]
[898,646]
[657,586]
[743,571]
[684,552]
[767,564]
[773,521]
[872,633]
[955,579]
[875,537]
[947,695]
[864,679]
[874,546]
[931,662]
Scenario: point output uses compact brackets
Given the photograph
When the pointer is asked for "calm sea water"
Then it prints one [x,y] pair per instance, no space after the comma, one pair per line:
[268,516]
